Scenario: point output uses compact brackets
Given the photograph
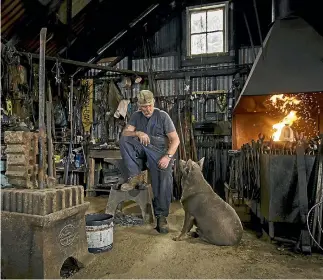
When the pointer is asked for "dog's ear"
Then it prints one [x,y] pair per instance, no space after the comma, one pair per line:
[182,165]
[185,166]
[189,166]
[201,162]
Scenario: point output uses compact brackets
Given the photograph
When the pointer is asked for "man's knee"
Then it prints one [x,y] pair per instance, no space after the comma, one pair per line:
[124,140]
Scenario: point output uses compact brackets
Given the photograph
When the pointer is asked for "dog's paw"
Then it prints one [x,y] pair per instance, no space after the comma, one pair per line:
[193,234]
[177,238]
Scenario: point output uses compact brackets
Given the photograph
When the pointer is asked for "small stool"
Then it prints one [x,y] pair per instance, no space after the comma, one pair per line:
[142,197]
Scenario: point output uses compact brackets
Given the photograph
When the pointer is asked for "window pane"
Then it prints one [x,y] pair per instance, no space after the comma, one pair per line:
[198,22]
[215,20]
[215,42]
[198,44]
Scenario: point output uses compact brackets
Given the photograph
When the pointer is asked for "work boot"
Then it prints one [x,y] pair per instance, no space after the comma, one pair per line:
[162,225]
[132,182]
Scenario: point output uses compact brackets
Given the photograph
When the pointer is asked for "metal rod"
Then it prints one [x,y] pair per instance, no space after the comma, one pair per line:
[42,78]
[41,117]
[49,139]
[71,108]
[88,65]
[258,23]
[250,37]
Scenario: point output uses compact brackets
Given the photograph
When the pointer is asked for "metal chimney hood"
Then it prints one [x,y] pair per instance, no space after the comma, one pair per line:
[291,61]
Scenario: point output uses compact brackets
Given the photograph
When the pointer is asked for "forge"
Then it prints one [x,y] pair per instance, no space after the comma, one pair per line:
[277,127]
[285,79]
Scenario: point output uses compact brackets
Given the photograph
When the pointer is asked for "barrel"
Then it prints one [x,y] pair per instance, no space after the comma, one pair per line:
[99,232]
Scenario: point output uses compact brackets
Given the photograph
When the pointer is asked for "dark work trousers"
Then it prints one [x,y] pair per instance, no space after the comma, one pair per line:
[132,151]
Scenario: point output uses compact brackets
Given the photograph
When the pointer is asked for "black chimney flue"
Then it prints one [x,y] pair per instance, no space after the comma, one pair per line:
[281,9]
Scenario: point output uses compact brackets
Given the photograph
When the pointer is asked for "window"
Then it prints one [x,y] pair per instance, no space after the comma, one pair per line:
[207,29]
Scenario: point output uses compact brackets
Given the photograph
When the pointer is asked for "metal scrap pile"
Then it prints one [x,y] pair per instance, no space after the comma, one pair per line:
[127,220]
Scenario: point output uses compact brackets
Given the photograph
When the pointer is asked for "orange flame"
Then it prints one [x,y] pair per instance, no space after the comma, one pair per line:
[281,102]
[289,120]
[286,101]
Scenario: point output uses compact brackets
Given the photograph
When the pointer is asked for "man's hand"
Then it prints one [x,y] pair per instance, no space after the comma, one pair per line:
[143,138]
[163,162]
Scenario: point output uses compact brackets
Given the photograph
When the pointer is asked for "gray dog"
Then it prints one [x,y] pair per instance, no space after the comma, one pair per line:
[216,221]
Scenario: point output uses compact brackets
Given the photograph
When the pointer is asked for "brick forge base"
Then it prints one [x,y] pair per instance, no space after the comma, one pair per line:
[40,230]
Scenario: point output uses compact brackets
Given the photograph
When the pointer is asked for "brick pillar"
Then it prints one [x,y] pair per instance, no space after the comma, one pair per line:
[22,159]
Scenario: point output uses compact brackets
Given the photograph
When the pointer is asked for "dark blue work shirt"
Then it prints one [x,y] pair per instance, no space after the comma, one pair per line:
[157,126]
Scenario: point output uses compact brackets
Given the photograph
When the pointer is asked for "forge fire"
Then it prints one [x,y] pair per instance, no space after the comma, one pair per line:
[295,110]
[278,117]
[284,132]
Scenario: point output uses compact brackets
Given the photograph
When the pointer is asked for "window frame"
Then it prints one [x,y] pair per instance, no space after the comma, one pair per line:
[191,9]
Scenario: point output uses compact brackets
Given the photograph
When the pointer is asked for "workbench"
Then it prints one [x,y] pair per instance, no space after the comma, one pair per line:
[93,178]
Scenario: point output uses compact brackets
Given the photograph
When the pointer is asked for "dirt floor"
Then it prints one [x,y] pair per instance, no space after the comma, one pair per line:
[140,252]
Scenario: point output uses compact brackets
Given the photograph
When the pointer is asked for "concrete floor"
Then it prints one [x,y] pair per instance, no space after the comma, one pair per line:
[140,252]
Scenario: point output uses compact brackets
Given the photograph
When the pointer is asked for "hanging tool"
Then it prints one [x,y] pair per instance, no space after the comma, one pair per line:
[68,160]
[58,70]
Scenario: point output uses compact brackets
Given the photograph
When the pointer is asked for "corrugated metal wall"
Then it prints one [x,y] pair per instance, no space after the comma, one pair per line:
[170,87]
[213,148]
[247,55]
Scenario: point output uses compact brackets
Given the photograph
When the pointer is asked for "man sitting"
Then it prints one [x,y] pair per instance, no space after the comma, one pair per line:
[151,135]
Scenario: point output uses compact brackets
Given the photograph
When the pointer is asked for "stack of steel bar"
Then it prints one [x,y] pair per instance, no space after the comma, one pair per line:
[244,176]
[247,171]
[315,214]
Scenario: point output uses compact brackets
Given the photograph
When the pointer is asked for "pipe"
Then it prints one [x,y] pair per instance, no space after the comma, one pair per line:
[41,116]
[281,9]
[273,13]
[144,14]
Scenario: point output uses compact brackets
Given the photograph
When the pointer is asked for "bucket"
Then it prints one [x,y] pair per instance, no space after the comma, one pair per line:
[99,232]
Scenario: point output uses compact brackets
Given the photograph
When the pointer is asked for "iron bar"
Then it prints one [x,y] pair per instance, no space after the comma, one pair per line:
[205,72]
[41,117]
[71,108]
[250,37]
[87,65]
[49,139]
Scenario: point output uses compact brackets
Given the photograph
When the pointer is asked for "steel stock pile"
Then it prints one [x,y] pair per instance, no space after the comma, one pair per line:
[279,173]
